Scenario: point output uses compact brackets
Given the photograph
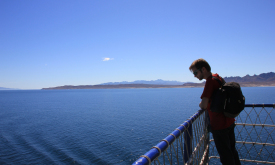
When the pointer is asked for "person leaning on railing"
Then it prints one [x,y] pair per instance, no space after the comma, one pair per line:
[222,127]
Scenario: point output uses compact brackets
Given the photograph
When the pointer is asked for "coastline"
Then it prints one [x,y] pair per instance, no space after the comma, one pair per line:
[131,86]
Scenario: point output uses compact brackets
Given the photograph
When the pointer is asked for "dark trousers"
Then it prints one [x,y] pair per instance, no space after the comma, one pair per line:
[225,143]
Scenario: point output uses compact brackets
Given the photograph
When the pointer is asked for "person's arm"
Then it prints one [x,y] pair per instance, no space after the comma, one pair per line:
[204,103]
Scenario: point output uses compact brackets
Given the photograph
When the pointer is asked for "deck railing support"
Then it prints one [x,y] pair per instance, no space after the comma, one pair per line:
[197,147]
[188,137]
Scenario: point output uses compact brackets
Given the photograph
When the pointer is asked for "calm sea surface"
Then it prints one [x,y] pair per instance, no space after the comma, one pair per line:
[96,126]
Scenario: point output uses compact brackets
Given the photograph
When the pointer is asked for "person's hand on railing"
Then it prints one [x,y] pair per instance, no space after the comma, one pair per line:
[204,103]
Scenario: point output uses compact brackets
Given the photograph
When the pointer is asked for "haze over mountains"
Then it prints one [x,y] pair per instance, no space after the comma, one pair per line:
[264,79]
[156,82]
[2,88]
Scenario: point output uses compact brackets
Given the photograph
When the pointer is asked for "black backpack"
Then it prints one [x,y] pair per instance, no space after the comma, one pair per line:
[228,99]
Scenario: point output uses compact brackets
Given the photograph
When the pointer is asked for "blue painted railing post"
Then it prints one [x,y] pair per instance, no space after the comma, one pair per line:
[188,137]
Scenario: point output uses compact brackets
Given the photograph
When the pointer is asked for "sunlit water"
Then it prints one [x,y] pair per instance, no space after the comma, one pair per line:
[96,126]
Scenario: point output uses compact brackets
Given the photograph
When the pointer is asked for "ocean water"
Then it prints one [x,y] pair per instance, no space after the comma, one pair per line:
[95,126]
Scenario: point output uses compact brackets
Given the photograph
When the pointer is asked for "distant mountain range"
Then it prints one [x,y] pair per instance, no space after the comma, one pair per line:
[152,82]
[2,88]
[264,79]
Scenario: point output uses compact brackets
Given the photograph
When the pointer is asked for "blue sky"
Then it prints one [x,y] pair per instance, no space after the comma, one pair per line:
[50,43]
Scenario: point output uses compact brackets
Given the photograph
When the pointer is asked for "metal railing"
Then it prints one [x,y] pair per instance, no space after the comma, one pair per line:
[191,143]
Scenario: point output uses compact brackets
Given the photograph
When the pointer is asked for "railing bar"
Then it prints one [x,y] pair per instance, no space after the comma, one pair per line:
[257,161]
[243,142]
[175,153]
[199,144]
[158,160]
[181,146]
[266,144]
[163,157]
[200,153]
[168,157]
[196,149]
[171,153]
[246,160]
[262,125]
[204,155]
[178,148]
[259,105]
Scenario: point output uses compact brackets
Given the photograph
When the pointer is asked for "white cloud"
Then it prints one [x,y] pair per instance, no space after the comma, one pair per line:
[107,59]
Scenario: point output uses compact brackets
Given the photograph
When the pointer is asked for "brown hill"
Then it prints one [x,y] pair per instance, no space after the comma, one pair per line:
[264,79]
[113,86]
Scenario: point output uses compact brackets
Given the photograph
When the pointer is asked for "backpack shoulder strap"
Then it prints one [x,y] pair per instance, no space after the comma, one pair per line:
[219,81]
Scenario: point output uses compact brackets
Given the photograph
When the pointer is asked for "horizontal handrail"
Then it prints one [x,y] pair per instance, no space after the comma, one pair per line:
[163,145]
[260,105]
[151,155]
[253,143]
[261,125]
[246,160]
